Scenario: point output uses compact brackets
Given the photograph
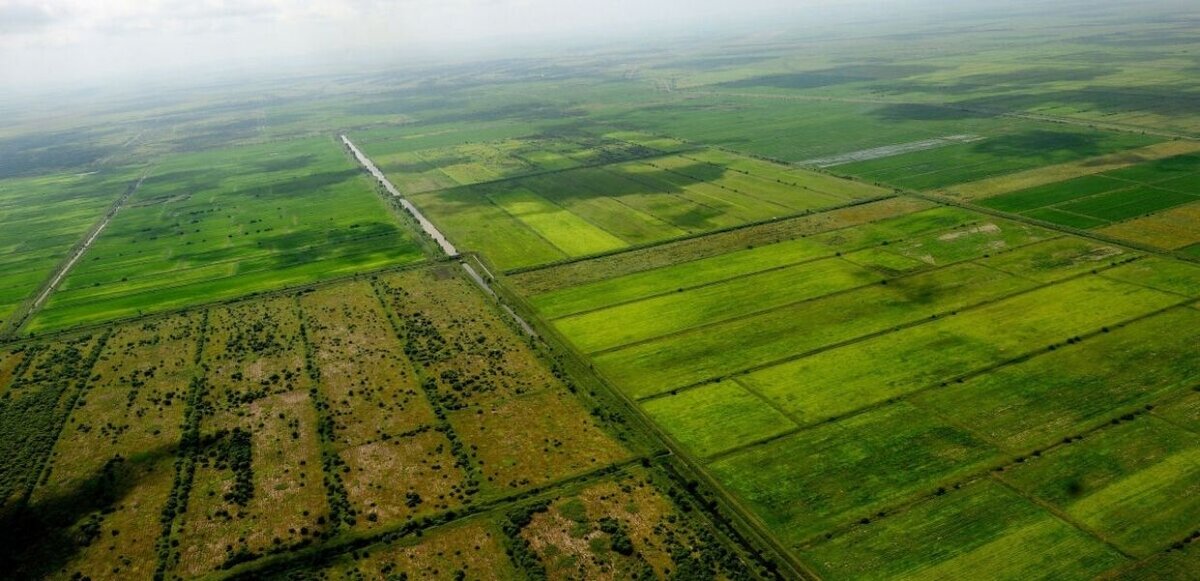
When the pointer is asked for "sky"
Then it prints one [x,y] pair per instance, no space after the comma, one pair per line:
[65,41]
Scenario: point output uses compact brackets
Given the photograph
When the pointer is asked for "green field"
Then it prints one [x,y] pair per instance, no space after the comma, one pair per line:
[224,223]
[529,221]
[905,290]
[42,219]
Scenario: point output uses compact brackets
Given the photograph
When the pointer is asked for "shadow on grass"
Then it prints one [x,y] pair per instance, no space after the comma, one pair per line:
[40,538]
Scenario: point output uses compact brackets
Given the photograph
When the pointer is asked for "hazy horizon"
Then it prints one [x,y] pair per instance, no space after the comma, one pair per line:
[57,44]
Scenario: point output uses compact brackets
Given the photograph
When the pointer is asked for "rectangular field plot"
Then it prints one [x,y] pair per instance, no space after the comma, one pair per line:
[1153,203]
[982,527]
[35,403]
[228,222]
[416,171]
[1005,153]
[1058,258]
[472,550]
[382,423]
[1172,229]
[493,394]
[568,288]
[533,220]
[1172,276]
[42,219]
[717,417]
[661,315]
[691,357]
[1134,484]
[260,410]
[623,527]
[1037,402]
[834,474]
[114,465]
[841,380]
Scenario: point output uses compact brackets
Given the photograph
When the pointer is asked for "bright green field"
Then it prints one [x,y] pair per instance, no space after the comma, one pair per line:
[1135,484]
[696,356]
[227,222]
[43,218]
[690,416]
[982,527]
[537,219]
[1059,394]
[619,325]
[842,380]
[837,473]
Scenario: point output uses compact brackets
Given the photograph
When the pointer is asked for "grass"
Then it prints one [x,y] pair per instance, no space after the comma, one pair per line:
[42,218]
[838,473]
[680,360]
[1172,229]
[1160,273]
[982,527]
[566,231]
[257,383]
[1037,402]
[473,549]
[223,223]
[533,220]
[1133,484]
[549,281]
[996,155]
[716,417]
[649,318]
[113,466]
[994,190]
[1058,258]
[603,293]
[842,380]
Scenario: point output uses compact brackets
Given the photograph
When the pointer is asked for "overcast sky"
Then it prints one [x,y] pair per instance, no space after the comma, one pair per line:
[43,40]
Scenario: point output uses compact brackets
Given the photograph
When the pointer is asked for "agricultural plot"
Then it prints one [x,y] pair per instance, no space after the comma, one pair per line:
[1005,153]
[257,484]
[623,528]
[531,221]
[633,524]
[968,339]
[473,550]
[113,469]
[380,419]
[228,222]
[1153,203]
[41,221]
[981,527]
[36,401]
[488,387]
[416,171]
[1134,484]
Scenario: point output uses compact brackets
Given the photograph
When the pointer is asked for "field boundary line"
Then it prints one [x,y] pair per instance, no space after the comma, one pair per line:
[257,295]
[696,235]
[1062,516]
[839,256]
[394,532]
[962,377]
[659,155]
[893,329]
[834,253]
[743,521]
